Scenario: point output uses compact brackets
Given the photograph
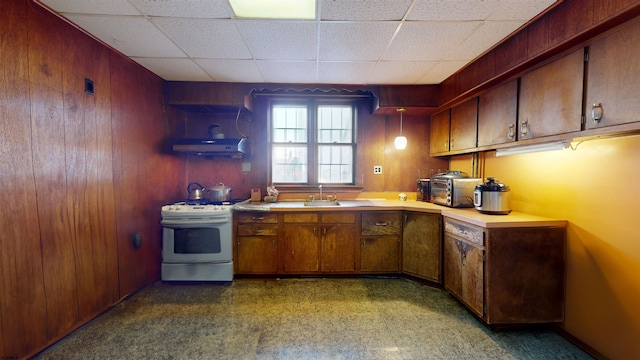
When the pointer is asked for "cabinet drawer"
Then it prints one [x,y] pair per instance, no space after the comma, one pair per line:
[381,223]
[464,231]
[257,230]
[339,218]
[301,217]
[256,217]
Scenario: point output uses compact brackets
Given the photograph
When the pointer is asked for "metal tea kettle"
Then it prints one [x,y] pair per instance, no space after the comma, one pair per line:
[196,191]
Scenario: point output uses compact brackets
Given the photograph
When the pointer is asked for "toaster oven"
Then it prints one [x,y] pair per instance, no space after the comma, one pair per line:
[453,189]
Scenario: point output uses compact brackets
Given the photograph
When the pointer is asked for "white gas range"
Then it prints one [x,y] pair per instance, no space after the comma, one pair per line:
[196,242]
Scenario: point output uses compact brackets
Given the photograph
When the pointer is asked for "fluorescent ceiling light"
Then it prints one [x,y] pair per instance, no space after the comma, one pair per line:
[525,149]
[274,9]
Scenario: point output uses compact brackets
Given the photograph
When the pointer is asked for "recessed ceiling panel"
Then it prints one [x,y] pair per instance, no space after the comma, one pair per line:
[428,41]
[354,41]
[288,71]
[133,36]
[182,69]
[283,40]
[232,70]
[210,9]
[364,10]
[352,72]
[111,7]
[453,10]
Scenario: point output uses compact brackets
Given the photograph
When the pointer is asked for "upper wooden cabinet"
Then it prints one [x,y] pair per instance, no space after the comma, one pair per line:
[464,125]
[613,69]
[551,98]
[439,142]
[498,115]
[208,96]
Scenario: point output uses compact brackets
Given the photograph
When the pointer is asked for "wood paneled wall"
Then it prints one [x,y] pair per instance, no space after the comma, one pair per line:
[79,174]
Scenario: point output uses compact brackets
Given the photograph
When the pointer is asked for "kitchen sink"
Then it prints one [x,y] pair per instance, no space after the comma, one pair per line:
[321,203]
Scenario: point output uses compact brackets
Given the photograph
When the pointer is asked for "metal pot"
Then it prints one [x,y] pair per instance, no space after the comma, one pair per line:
[195,191]
[220,193]
[492,198]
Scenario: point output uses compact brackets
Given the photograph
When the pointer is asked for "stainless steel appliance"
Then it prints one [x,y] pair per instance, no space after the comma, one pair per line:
[453,189]
[424,190]
[235,148]
[492,197]
[219,193]
[196,242]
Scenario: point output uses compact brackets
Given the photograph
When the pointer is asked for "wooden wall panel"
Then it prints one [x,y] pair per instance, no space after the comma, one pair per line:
[90,197]
[48,133]
[22,301]
[145,178]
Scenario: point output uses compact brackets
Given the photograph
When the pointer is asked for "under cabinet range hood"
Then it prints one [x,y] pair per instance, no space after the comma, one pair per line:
[235,148]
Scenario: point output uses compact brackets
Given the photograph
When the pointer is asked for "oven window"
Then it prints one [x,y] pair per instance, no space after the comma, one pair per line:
[197,241]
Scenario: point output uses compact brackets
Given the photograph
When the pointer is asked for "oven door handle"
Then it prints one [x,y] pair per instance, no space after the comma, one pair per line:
[190,224]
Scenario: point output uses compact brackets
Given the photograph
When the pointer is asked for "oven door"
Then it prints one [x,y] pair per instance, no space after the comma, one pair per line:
[196,243]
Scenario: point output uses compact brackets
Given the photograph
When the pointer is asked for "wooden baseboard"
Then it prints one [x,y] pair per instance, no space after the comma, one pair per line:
[579,343]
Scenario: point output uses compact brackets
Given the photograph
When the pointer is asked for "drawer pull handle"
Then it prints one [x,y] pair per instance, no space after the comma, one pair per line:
[381,223]
[258,218]
[596,112]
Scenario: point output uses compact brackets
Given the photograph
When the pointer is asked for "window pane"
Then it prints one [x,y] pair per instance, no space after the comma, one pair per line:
[289,123]
[289,164]
[335,164]
[335,123]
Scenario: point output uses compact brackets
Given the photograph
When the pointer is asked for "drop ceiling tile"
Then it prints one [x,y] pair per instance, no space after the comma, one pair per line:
[354,41]
[210,9]
[111,7]
[205,38]
[173,69]
[440,71]
[520,9]
[451,10]
[131,35]
[283,40]
[428,41]
[347,72]
[288,71]
[231,70]
[487,35]
[358,10]
[400,72]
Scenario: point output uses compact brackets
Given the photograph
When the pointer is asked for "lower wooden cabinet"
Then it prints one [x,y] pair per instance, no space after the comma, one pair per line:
[300,242]
[421,245]
[256,243]
[506,275]
[380,242]
[338,241]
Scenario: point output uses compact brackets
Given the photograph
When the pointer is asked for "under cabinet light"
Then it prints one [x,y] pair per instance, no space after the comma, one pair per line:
[274,9]
[525,149]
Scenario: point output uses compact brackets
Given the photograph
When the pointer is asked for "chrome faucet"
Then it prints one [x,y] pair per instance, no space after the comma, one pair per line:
[320,187]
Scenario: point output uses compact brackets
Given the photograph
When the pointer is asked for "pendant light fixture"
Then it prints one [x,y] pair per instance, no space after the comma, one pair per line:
[400,141]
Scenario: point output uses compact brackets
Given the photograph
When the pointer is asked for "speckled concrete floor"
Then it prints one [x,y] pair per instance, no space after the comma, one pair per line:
[362,318]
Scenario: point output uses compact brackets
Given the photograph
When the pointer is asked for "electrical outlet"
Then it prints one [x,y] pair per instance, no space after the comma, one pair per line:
[377,170]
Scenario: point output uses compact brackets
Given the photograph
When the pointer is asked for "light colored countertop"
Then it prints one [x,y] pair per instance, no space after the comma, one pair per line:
[470,215]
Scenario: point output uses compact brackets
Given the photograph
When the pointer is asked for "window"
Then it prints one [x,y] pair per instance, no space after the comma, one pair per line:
[313,142]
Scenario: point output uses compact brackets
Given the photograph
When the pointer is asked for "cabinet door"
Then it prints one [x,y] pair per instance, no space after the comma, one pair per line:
[498,114]
[380,254]
[453,265]
[439,141]
[464,272]
[338,247]
[301,248]
[551,98]
[257,255]
[421,250]
[473,277]
[464,125]
[612,81]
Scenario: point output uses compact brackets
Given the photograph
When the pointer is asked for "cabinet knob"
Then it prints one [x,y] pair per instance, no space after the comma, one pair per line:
[596,112]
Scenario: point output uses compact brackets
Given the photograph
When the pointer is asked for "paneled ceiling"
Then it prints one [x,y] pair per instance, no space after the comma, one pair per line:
[350,42]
